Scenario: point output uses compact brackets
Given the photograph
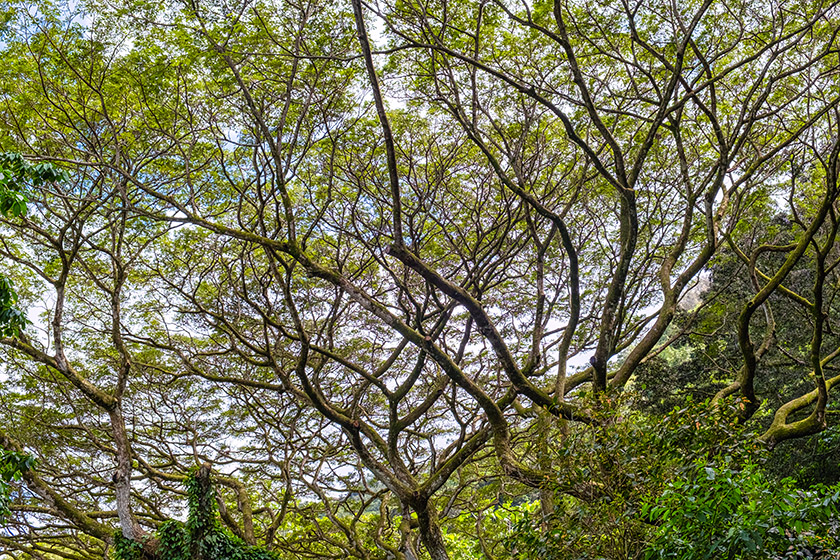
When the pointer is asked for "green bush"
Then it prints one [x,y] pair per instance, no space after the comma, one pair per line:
[718,512]
[689,485]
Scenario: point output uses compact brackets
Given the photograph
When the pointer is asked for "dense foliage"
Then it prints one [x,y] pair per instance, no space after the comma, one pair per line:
[12,466]
[690,484]
[15,173]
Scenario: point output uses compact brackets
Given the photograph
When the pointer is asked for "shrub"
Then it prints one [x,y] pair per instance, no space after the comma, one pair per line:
[689,485]
[718,512]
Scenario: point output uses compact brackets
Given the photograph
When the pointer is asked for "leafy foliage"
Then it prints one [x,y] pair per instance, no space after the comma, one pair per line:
[722,511]
[12,319]
[12,466]
[15,173]
[691,485]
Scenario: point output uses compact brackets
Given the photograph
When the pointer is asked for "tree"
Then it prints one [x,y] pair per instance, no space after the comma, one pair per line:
[261,260]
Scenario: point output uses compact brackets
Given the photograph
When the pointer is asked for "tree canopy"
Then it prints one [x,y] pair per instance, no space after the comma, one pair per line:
[408,275]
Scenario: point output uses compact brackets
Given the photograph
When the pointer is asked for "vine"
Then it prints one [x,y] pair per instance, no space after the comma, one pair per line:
[15,174]
[202,537]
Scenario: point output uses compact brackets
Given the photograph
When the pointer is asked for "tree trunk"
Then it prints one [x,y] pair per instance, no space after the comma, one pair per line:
[430,532]
[544,459]
[203,516]
[122,477]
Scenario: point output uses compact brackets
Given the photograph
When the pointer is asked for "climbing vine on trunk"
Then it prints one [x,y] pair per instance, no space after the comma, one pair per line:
[202,537]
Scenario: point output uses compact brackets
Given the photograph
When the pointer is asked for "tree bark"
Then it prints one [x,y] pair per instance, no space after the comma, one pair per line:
[430,532]
[122,477]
